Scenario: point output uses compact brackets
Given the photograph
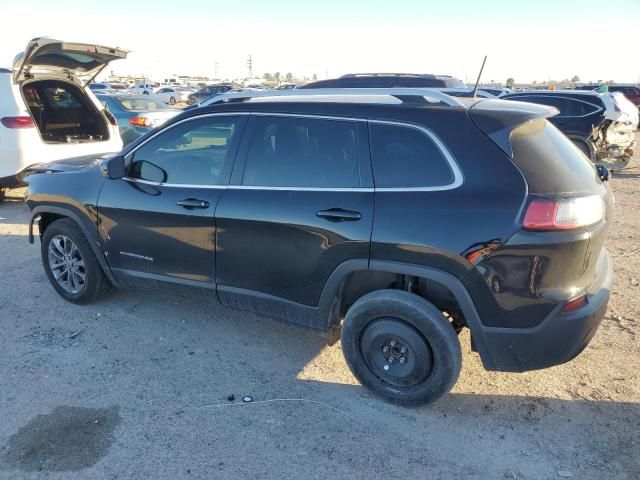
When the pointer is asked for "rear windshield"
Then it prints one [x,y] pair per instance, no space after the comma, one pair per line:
[550,162]
[140,104]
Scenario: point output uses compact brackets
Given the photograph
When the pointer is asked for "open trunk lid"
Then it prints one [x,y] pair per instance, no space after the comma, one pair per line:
[47,55]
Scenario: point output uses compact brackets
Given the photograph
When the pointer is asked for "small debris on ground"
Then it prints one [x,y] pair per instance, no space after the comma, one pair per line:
[565,473]
[510,475]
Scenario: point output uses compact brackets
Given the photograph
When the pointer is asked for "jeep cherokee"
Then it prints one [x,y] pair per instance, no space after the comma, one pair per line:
[398,217]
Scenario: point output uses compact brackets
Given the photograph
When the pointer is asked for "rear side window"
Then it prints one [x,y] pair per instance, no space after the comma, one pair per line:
[303,152]
[549,161]
[406,157]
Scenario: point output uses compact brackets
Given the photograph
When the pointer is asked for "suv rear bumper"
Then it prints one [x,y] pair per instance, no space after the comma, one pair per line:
[556,340]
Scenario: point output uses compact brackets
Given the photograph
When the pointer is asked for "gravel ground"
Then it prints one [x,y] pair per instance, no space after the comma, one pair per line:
[139,386]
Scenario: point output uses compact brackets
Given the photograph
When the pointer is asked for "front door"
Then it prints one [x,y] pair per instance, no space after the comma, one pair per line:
[300,203]
[157,224]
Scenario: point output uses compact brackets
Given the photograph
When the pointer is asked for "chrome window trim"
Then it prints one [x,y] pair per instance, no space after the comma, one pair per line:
[458,177]
[453,165]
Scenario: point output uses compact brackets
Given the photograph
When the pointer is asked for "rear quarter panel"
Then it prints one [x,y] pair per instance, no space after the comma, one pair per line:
[433,228]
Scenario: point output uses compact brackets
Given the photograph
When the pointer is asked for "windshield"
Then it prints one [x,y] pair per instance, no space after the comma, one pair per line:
[140,104]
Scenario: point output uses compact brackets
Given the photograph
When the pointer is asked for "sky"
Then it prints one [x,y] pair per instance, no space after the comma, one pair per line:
[528,40]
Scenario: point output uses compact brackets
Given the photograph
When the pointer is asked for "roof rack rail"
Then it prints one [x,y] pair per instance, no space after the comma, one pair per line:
[388,74]
[403,94]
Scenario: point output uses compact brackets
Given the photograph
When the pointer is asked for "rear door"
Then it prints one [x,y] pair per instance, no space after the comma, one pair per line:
[157,224]
[300,203]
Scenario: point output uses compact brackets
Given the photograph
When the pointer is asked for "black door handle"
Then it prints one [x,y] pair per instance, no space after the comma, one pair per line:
[339,215]
[191,203]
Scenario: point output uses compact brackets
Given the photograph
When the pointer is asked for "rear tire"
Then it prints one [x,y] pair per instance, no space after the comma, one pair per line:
[70,264]
[401,347]
[172,100]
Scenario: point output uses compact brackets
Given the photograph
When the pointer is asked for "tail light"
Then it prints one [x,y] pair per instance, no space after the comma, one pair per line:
[564,213]
[140,122]
[575,304]
[17,122]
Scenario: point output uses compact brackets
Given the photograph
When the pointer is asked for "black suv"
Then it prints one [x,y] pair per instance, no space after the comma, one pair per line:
[388,80]
[209,91]
[401,218]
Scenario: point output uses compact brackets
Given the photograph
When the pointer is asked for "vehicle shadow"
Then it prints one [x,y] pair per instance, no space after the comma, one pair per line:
[179,368]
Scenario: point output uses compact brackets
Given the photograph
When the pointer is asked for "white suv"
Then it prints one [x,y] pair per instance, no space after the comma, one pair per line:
[46,110]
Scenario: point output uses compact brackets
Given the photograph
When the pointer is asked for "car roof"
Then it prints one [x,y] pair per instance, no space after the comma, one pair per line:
[590,93]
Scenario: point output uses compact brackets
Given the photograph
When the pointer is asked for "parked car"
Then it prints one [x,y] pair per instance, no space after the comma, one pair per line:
[387,80]
[100,87]
[46,110]
[210,91]
[595,122]
[360,212]
[143,88]
[172,95]
[632,92]
[495,91]
[466,92]
[136,114]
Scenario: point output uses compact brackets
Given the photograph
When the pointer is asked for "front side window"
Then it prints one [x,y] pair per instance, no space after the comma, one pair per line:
[406,157]
[197,152]
[303,152]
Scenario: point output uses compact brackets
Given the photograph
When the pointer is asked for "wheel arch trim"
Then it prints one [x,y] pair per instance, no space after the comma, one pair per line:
[75,217]
[330,293]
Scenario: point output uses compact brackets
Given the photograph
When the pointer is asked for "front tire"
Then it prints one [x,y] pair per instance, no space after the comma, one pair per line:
[70,264]
[172,100]
[401,347]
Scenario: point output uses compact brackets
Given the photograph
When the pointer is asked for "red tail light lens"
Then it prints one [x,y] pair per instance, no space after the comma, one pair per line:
[563,214]
[17,122]
[140,121]
[575,304]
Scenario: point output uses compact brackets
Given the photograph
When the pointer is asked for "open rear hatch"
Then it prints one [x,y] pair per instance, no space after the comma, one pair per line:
[52,76]
[46,55]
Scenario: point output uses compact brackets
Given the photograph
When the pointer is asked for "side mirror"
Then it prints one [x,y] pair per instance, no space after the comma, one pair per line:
[114,167]
[150,171]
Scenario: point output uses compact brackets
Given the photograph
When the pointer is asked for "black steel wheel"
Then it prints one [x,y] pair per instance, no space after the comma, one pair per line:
[401,347]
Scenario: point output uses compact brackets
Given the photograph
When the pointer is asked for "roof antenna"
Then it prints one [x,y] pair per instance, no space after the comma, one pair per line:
[475,88]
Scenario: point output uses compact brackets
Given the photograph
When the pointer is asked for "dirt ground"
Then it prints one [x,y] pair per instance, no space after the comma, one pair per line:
[139,385]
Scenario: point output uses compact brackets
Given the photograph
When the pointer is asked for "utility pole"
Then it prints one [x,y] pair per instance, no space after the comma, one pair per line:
[216,65]
[250,66]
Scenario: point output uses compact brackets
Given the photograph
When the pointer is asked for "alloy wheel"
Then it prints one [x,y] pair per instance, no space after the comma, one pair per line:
[66,264]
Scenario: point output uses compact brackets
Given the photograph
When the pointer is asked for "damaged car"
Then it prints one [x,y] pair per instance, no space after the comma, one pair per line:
[47,110]
[601,125]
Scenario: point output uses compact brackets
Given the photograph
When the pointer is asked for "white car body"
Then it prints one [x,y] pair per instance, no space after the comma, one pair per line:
[626,112]
[23,142]
[172,95]
[142,89]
